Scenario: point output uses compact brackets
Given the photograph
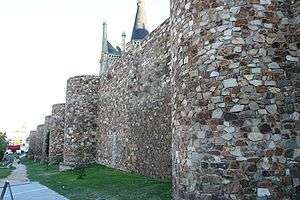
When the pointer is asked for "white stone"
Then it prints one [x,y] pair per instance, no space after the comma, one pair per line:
[201,134]
[256,82]
[187,6]
[259,38]
[229,129]
[268,25]
[227,136]
[295,116]
[217,114]
[292,59]
[214,74]
[296,153]
[237,108]
[230,83]
[249,76]
[236,152]
[228,32]
[263,192]
[253,51]
[271,145]
[272,109]
[270,83]
[273,65]
[276,137]
[184,103]
[193,73]
[256,70]
[254,106]
[262,112]
[234,10]
[234,65]
[255,22]
[225,16]
[216,45]
[238,41]
[253,28]
[237,49]
[255,136]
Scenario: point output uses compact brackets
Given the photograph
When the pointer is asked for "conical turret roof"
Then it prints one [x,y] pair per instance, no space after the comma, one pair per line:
[140,29]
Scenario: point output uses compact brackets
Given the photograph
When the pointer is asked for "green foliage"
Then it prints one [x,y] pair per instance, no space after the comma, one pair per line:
[99,181]
[80,170]
[80,165]
[5,172]
[3,144]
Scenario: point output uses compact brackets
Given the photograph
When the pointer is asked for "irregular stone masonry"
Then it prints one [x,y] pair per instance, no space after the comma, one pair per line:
[57,126]
[235,88]
[39,138]
[81,120]
[32,140]
[134,109]
[46,135]
[234,108]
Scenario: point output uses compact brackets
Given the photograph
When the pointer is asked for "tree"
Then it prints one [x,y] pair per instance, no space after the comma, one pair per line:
[3,144]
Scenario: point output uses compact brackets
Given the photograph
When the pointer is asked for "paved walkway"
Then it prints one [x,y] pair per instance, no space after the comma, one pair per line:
[23,189]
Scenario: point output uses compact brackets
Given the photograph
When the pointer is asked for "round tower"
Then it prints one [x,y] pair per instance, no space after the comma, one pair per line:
[57,127]
[234,105]
[80,121]
[46,136]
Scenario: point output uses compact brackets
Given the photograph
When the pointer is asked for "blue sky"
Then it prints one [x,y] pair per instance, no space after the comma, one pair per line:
[44,42]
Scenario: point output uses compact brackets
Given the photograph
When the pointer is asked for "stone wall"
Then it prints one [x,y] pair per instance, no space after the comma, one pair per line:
[31,149]
[46,137]
[134,109]
[80,120]
[57,126]
[292,69]
[39,138]
[223,77]
[233,105]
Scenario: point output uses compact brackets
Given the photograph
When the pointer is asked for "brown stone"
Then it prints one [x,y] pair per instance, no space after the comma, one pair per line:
[261,89]
[279,151]
[269,153]
[241,143]
[234,165]
[241,23]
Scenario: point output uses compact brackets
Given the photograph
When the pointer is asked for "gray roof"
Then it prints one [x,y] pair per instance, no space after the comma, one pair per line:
[140,29]
[113,50]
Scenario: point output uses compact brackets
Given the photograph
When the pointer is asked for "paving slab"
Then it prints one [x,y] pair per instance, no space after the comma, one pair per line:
[33,191]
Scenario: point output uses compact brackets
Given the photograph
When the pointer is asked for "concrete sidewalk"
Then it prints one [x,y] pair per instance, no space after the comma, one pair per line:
[32,191]
[23,189]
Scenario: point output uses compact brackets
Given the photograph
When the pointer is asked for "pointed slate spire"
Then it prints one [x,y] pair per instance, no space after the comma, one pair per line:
[140,29]
[104,39]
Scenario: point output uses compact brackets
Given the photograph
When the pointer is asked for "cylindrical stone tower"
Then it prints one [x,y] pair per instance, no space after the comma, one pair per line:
[57,127]
[234,107]
[81,120]
[46,135]
[39,142]
[32,141]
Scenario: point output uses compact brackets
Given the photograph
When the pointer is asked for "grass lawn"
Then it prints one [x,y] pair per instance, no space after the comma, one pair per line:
[5,172]
[100,181]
